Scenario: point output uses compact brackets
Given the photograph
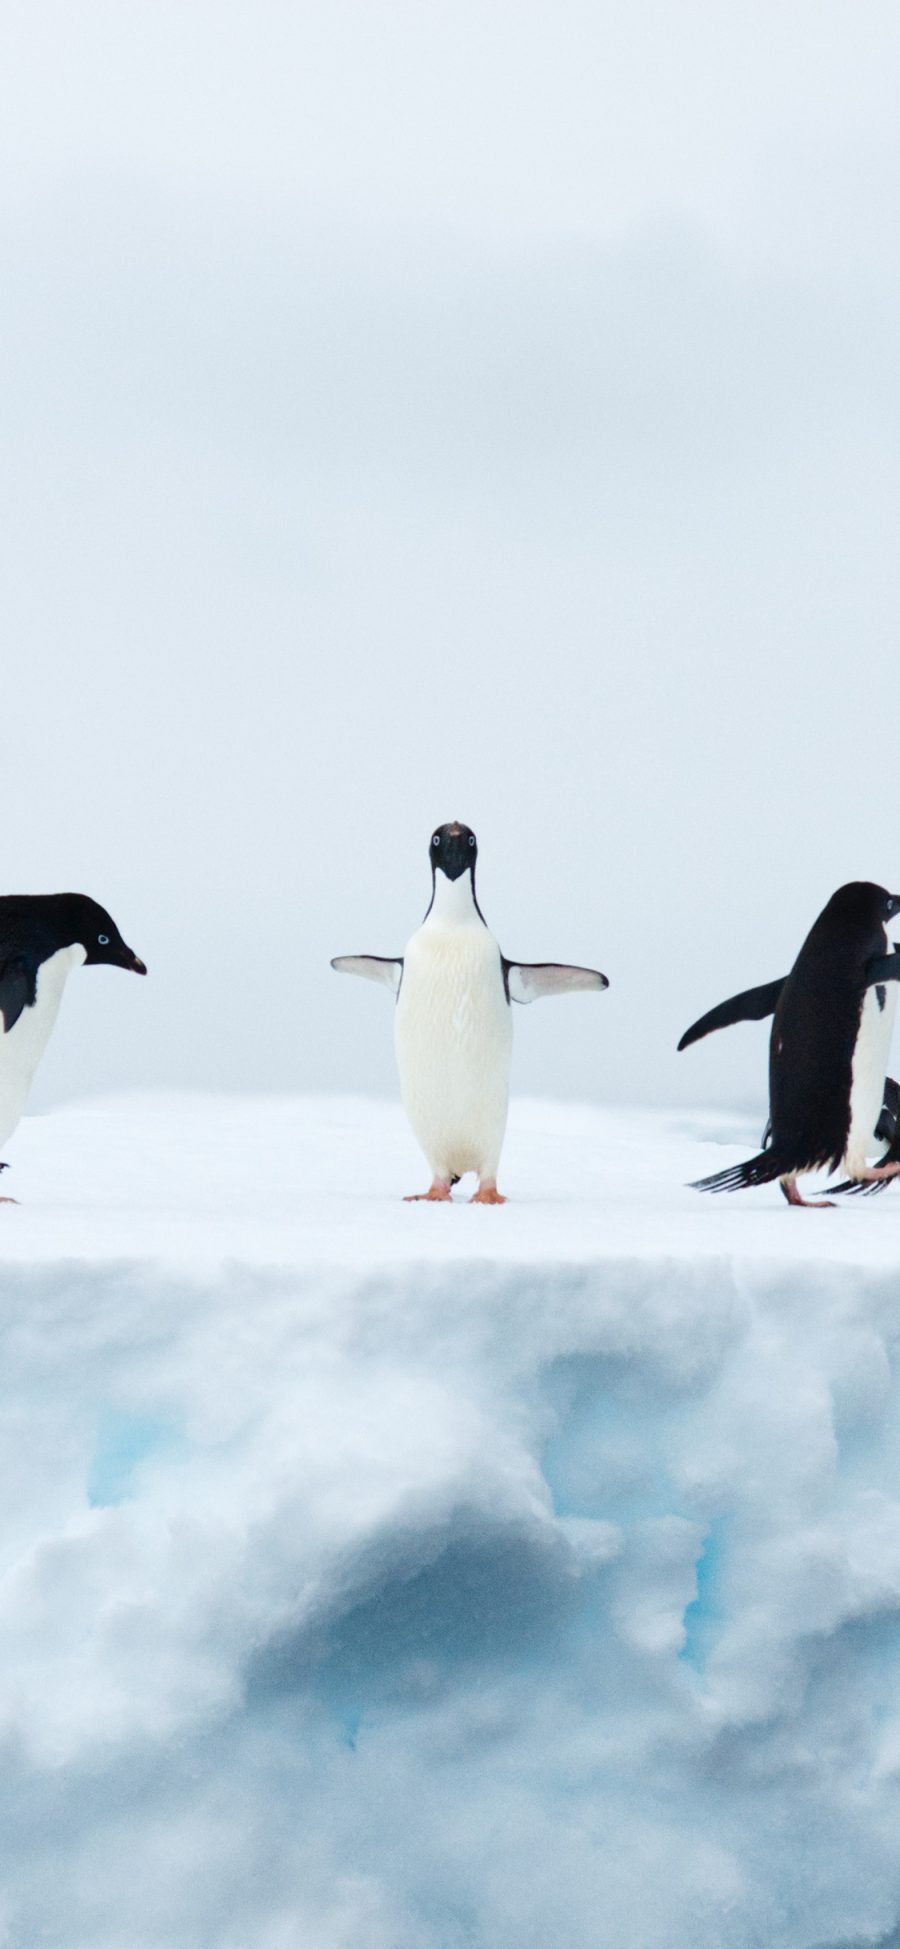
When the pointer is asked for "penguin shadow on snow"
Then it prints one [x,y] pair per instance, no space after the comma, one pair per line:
[831,1104]
[454,990]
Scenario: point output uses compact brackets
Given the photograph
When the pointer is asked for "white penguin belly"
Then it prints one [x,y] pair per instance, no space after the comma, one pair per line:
[870,1061]
[453,1037]
[22,1047]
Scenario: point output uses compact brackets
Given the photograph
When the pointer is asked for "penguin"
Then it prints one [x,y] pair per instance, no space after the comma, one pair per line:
[829,1047]
[43,936]
[887,1134]
[453,1021]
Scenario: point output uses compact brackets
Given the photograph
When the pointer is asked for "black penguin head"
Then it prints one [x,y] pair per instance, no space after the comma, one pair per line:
[862,909]
[454,849]
[84,921]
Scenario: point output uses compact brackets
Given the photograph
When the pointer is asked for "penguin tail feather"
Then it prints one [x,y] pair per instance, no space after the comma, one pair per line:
[762,1169]
[855,1186]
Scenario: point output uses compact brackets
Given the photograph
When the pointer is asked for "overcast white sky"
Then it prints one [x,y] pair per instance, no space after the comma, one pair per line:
[417,411]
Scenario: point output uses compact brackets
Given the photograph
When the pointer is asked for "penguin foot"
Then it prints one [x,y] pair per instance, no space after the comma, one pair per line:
[487,1194]
[438,1193]
[790,1192]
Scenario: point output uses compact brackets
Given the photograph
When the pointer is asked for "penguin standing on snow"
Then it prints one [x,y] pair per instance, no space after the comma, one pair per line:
[887,1136]
[42,938]
[829,1048]
[453,1022]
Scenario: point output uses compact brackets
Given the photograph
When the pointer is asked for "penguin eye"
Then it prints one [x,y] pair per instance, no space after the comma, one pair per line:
[436,840]
[102,940]
[471,839]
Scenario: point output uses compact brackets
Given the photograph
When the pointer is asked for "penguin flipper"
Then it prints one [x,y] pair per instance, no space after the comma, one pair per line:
[528,981]
[883,967]
[750,1006]
[18,987]
[889,1120]
[372,967]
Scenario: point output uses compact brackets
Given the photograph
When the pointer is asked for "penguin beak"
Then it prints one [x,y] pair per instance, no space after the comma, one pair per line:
[136,966]
[456,853]
[894,904]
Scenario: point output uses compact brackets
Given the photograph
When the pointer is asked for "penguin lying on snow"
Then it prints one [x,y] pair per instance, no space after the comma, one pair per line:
[43,936]
[453,1025]
[828,1051]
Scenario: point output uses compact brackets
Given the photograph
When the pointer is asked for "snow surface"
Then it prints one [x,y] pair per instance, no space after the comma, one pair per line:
[401,1577]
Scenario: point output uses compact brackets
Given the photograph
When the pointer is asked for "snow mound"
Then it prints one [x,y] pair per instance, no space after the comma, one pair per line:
[390,1577]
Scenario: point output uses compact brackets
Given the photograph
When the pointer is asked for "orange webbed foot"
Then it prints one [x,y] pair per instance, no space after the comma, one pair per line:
[790,1192]
[487,1194]
[438,1193]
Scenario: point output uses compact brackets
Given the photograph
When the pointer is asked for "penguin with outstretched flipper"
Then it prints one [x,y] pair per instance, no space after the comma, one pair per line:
[453,1021]
[829,1047]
